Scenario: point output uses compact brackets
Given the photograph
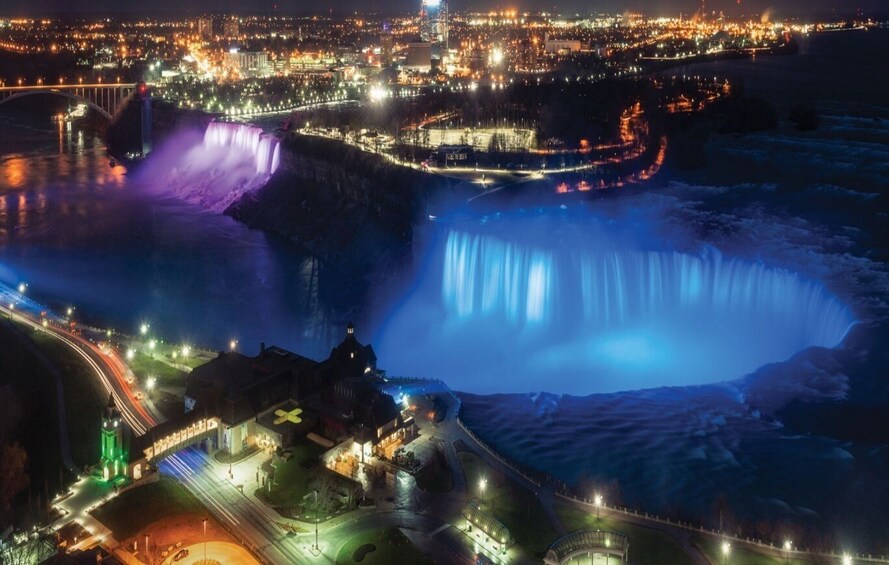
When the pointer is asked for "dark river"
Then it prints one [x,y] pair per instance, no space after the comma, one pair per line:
[84,234]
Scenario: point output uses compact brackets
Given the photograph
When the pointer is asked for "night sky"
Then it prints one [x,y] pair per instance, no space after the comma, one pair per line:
[654,7]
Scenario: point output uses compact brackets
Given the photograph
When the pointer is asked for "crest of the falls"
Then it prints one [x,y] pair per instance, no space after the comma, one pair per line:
[214,171]
[496,315]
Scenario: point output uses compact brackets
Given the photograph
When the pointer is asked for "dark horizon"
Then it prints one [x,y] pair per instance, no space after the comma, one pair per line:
[731,8]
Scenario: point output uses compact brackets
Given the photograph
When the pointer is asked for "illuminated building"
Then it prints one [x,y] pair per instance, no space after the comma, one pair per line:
[231,29]
[561,46]
[114,455]
[419,56]
[249,64]
[387,42]
[205,28]
[434,22]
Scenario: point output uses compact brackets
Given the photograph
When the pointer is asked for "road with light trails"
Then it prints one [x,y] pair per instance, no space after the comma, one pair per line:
[107,365]
[254,524]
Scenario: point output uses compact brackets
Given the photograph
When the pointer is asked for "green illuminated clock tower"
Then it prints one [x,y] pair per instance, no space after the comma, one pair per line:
[114,457]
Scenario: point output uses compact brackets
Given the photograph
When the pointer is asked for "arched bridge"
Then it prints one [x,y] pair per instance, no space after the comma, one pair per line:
[103,98]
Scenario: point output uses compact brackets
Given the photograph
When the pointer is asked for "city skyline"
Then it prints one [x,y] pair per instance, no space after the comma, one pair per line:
[732,8]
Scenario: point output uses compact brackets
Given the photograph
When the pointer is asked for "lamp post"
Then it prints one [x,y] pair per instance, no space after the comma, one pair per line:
[315,492]
[597,500]
[847,559]
[146,548]
[726,548]
[204,522]
[788,545]
[482,485]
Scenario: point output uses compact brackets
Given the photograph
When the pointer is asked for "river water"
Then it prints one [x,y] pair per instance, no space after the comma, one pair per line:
[84,234]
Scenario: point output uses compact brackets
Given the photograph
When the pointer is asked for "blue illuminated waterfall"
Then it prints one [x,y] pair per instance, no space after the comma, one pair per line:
[485,276]
[493,315]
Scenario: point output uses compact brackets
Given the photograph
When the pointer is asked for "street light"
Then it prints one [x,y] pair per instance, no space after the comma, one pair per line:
[315,492]
[726,548]
[482,485]
[23,287]
[204,521]
[143,329]
[847,559]
[788,545]
[233,344]
[149,385]
[130,354]
[597,500]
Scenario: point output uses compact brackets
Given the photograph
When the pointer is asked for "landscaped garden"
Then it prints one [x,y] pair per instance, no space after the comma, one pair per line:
[381,547]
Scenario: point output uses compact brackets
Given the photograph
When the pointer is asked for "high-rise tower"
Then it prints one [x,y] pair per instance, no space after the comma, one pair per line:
[434,22]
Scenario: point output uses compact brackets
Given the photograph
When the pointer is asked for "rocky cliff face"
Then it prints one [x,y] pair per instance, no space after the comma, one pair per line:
[352,210]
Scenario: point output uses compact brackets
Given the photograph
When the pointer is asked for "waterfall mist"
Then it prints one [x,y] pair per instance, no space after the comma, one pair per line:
[214,170]
[494,315]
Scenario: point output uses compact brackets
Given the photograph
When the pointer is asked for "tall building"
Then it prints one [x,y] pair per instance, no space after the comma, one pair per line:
[205,28]
[419,56]
[387,43]
[434,22]
[231,29]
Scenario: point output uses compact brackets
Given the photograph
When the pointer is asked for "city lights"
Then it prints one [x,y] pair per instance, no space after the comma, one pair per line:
[597,250]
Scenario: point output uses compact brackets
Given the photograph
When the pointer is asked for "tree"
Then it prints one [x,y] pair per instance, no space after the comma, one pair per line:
[31,550]
[13,477]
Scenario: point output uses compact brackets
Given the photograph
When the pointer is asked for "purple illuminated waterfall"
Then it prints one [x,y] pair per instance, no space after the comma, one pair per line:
[244,139]
[513,317]
[230,160]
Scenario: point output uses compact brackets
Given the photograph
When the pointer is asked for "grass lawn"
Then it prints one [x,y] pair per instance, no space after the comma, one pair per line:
[647,546]
[436,475]
[291,477]
[83,401]
[136,509]
[391,546]
[144,365]
[739,555]
[518,509]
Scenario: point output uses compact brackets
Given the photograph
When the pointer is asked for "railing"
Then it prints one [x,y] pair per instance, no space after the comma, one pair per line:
[565,494]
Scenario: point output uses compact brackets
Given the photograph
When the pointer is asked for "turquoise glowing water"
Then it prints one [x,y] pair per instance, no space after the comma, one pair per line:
[524,318]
